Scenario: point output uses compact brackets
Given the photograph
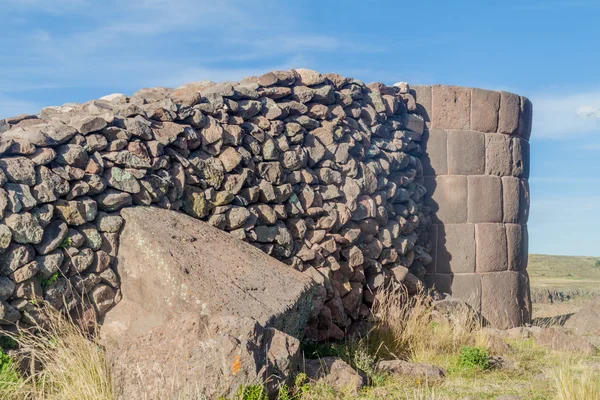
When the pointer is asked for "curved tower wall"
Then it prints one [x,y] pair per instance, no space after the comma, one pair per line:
[476,170]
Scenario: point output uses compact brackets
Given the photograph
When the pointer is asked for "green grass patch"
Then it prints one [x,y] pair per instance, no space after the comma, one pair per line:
[9,376]
[473,358]
[50,280]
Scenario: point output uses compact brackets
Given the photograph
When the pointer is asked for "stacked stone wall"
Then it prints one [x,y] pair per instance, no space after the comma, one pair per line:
[476,167]
[319,171]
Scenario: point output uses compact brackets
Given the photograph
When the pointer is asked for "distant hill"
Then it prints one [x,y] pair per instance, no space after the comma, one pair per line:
[564,272]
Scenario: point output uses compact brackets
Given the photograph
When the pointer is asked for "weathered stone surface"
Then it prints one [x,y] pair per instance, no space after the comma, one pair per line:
[122,180]
[466,153]
[517,245]
[335,373]
[558,339]
[485,199]
[5,237]
[485,110]
[495,289]
[151,233]
[108,222]
[451,107]
[18,170]
[585,321]
[215,354]
[25,228]
[510,108]
[112,200]
[76,212]
[405,368]
[499,157]
[448,198]
[492,251]
[49,264]
[7,287]
[54,234]
[309,77]
[456,248]
[435,159]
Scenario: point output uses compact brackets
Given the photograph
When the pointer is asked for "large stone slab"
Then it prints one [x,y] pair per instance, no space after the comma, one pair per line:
[485,199]
[196,356]
[466,153]
[435,155]
[484,114]
[451,107]
[448,198]
[170,263]
[455,248]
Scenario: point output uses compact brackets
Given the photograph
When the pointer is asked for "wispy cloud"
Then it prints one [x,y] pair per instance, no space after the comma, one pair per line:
[10,106]
[564,115]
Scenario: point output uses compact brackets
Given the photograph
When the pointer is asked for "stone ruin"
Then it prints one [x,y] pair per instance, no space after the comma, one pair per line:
[352,185]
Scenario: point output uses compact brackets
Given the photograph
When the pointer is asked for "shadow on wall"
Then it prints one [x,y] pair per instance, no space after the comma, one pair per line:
[475,169]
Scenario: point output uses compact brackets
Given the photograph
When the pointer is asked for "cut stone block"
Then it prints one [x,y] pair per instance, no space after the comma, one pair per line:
[526,118]
[520,158]
[456,248]
[498,155]
[517,243]
[210,272]
[524,202]
[466,153]
[484,111]
[435,155]
[448,198]
[503,294]
[524,297]
[492,252]
[451,107]
[433,238]
[465,287]
[422,95]
[485,199]
[510,110]
[511,194]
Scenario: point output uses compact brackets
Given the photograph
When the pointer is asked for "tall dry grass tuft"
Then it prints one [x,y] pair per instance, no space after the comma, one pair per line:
[68,365]
[575,382]
[407,326]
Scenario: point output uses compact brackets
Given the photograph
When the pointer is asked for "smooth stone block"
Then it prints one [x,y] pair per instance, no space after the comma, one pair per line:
[451,107]
[485,109]
[435,152]
[492,252]
[466,153]
[485,199]
[456,248]
[448,198]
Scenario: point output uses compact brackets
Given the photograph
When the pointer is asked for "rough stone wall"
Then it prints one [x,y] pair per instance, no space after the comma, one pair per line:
[319,171]
[476,167]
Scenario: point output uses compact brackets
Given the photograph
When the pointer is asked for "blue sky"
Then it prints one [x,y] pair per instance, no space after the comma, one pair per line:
[57,51]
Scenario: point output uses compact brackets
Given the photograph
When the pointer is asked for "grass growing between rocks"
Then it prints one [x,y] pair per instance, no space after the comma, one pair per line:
[69,366]
[409,330]
[75,368]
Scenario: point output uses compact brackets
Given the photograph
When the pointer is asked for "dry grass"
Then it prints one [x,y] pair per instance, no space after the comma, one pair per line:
[75,368]
[406,327]
[575,382]
[72,366]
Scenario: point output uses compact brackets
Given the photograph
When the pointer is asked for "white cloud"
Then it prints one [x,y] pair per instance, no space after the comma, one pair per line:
[140,42]
[566,115]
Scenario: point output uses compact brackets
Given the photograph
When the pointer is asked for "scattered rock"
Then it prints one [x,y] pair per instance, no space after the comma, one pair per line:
[405,368]
[335,373]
